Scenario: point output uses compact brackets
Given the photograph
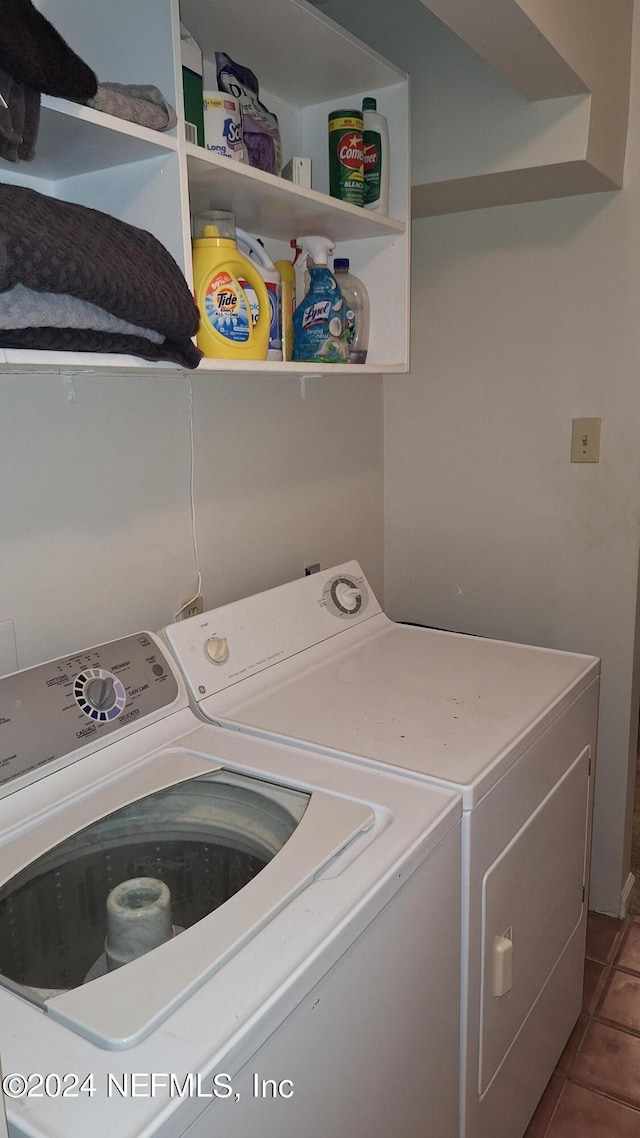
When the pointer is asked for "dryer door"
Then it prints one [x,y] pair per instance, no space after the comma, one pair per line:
[533,900]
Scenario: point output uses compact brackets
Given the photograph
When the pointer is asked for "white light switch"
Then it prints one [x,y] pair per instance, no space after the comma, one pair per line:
[585,440]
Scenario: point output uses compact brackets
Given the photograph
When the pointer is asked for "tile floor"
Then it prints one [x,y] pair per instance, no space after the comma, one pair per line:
[594,1091]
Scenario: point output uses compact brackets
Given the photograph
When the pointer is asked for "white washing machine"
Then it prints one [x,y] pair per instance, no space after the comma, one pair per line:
[204,933]
[511,728]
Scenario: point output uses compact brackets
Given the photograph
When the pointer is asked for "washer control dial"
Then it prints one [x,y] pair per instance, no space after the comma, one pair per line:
[217,649]
[99,694]
[345,597]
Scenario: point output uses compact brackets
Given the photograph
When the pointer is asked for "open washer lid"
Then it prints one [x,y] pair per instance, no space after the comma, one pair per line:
[316,662]
[233,851]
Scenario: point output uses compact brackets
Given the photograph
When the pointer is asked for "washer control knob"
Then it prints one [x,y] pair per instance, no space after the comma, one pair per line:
[217,649]
[100,693]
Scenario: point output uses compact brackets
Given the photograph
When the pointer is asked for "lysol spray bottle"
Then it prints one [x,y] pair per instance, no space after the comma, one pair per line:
[319,321]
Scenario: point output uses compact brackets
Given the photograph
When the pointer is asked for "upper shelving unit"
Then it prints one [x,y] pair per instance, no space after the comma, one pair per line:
[306,66]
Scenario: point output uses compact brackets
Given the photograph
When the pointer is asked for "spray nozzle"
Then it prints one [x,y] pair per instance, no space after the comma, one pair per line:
[317,247]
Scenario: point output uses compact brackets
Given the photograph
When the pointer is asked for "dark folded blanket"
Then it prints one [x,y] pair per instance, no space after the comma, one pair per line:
[57,246]
[90,340]
[19,119]
[34,53]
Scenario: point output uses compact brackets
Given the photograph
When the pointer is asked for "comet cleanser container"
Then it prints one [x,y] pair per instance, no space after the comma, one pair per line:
[346,156]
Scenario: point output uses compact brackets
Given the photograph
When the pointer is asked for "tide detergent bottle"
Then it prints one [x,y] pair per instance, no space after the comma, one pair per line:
[319,320]
[229,292]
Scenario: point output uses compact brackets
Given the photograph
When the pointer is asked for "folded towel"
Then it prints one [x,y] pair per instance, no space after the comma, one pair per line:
[56,246]
[137,103]
[34,53]
[22,307]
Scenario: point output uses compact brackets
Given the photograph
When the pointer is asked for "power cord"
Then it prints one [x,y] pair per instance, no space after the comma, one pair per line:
[194,539]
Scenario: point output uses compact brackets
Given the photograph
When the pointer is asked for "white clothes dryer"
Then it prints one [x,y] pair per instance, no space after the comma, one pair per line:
[512,728]
[206,933]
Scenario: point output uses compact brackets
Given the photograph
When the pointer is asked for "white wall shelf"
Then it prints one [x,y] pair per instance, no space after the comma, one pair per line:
[74,139]
[551,53]
[19,360]
[306,65]
[275,208]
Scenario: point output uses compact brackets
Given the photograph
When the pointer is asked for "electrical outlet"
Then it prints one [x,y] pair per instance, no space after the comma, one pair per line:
[309,569]
[190,606]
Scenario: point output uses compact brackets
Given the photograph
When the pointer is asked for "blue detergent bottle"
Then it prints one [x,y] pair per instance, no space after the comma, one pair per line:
[319,334]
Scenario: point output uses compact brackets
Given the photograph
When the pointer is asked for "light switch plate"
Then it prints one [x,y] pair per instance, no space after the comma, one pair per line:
[585,440]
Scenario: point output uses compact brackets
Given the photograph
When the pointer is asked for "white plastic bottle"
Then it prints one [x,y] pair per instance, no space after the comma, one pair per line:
[375,132]
[356,320]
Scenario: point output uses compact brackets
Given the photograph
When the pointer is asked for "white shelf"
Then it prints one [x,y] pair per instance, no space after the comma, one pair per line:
[273,207]
[29,359]
[78,363]
[293,49]
[74,139]
[258,367]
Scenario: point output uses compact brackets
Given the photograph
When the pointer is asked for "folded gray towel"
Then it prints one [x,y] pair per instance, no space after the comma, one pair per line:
[139,103]
[22,307]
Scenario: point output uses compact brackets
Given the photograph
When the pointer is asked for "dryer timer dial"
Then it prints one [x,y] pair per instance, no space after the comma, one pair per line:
[217,649]
[345,597]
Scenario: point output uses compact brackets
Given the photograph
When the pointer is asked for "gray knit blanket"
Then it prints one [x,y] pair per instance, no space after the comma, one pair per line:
[60,247]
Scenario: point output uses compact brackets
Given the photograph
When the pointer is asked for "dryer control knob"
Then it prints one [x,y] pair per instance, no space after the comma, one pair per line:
[217,649]
[348,596]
